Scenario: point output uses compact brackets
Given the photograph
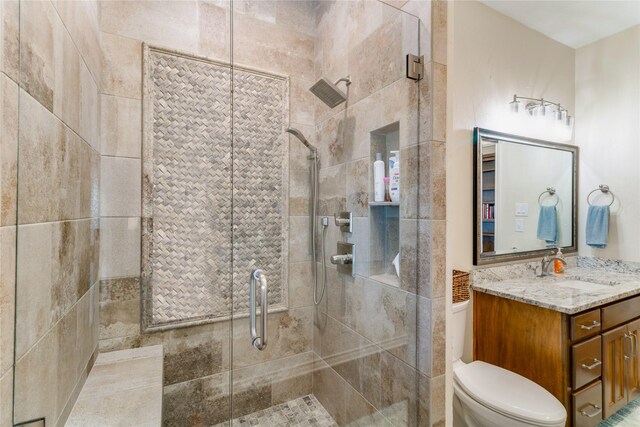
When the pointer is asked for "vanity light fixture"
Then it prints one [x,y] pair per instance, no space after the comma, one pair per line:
[540,107]
[543,117]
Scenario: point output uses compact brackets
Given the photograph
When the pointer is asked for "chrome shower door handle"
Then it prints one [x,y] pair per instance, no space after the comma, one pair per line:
[258,278]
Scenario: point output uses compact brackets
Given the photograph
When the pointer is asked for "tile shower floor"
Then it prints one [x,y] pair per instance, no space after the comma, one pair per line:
[303,411]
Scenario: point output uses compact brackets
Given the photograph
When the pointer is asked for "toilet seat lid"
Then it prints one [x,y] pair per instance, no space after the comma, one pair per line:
[509,393]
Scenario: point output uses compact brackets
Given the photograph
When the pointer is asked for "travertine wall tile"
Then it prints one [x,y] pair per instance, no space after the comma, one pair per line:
[289,332]
[300,284]
[7,297]
[380,95]
[300,170]
[120,187]
[59,181]
[358,187]
[36,378]
[439,102]
[214,39]
[81,20]
[204,401]
[8,149]
[196,352]
[378,60]
[122,65]
[399,391]
[67,364]
[262,47]
[432,254]
[329,388]
[39,29]
[121,126]
[10,38]
[299,241]
[33,294]
[6,398]
[58,178]
[147,21]
[120,247]
[431,336]
[439,33]
[261,386]
[333,189]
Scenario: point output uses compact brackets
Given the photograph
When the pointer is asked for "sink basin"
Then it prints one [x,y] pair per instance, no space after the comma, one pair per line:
[581,285]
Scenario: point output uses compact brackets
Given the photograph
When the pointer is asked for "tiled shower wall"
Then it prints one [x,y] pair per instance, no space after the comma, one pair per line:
[368,364]
[51,107]
[273,36]
[9,64]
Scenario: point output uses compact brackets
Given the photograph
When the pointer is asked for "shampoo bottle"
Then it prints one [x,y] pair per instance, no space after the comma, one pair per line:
[394,188]
[378,179]
[393,157]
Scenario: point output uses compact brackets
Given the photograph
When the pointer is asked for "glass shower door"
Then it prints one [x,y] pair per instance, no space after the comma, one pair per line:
[352,358]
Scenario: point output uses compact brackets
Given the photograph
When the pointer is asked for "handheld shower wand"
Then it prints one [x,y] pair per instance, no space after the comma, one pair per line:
[313,208]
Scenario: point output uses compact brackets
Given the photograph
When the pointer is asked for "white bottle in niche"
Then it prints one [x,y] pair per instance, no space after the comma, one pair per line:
[394,187]
[392,160]
[378,179]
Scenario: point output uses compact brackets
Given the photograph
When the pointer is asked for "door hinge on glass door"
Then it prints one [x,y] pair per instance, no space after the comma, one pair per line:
[415,67]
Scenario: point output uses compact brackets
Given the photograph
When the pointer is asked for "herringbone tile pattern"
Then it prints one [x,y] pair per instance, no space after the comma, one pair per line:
[207,178]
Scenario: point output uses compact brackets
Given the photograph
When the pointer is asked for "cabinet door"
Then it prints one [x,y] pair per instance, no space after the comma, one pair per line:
[614,348]
[633,363]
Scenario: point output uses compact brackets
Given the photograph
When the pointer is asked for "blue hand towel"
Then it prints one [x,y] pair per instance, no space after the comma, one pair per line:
[598,226]
[548,224]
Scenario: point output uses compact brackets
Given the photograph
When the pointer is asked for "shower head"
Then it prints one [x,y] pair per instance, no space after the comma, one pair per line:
[328,92]
[295,132]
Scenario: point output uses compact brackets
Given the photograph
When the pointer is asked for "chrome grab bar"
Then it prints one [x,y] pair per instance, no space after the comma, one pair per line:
[258,277]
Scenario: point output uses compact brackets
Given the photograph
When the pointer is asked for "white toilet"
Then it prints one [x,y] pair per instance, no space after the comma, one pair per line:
[488,396]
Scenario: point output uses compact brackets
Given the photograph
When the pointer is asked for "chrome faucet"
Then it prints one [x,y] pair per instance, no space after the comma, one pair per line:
[546,262]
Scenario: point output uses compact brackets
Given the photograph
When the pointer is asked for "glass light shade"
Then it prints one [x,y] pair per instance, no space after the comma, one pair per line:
[514,106]
[561,115]
[569,121]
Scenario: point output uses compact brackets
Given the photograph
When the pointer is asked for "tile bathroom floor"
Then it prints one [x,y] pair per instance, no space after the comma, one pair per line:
[303,411]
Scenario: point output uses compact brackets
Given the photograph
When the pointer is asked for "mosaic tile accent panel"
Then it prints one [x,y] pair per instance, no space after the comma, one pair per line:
[214,188]
[305,411]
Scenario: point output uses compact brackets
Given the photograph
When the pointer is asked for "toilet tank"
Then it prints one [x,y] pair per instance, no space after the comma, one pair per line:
[459,326]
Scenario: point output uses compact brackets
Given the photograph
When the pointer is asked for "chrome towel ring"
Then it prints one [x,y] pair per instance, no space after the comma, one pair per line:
[552,192]
[605,189]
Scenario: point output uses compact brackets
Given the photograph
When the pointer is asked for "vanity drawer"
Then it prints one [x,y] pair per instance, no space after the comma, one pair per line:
[585,324]
[587,406]
[620,312]
[586,359]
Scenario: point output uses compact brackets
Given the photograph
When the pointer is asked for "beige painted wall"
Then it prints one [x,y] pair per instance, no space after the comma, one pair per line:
[492,57]
[607,129]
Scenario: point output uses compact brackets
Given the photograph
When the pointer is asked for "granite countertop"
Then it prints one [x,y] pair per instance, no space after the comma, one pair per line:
[545,291]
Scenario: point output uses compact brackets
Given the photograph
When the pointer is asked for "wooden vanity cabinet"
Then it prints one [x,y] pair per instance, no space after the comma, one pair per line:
[621,366]
[589,361]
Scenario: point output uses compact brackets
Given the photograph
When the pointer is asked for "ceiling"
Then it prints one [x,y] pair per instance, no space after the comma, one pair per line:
[574,23]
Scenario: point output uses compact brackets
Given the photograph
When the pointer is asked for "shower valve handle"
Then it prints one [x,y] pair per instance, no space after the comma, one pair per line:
[342,259]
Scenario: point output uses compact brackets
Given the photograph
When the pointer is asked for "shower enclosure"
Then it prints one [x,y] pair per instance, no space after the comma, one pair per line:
[153,196]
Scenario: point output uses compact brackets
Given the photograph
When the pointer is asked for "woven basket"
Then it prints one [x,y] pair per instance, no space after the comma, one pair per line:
[460,286]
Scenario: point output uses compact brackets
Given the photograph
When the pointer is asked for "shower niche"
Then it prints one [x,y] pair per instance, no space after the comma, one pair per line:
[384,217]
